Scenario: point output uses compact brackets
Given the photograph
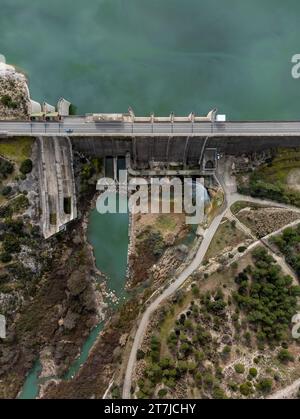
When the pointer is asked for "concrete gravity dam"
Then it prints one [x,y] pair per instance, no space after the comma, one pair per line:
[151,146]
[146,156]
[185,150]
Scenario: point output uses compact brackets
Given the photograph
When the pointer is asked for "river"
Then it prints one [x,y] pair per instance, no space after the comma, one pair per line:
[108,235]
[158,55]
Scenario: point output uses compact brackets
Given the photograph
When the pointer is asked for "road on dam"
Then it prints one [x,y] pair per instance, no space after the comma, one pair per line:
[78,126]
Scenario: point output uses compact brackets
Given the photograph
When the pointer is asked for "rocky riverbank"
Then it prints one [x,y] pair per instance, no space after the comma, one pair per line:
[52,296]
[14,96]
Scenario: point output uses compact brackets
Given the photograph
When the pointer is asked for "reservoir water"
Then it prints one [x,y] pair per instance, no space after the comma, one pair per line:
[158,55]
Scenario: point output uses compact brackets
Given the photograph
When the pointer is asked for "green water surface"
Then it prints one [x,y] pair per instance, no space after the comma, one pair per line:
[158,55]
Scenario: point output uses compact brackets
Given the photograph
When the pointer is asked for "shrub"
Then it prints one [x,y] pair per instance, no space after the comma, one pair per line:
[253,372]
[195,290]
[265,385]
[6,168]
[162,393]
[233,386]
[246,389]
[11,244]
[219,394]
[285,356]
[239,368]
[242,249]
[5,257]
[140,355]
[26,167]
[7,101]
[6,190]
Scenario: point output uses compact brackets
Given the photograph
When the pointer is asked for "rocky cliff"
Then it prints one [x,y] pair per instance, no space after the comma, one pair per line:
[14,93]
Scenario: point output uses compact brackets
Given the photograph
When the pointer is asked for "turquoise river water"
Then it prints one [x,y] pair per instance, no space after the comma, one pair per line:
[108,234]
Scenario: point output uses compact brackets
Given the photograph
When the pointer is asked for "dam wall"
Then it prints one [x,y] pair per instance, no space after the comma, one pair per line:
[183,150]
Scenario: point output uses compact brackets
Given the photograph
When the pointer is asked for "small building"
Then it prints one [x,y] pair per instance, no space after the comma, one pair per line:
[35,107]
[48,108]
[63,107]
[221,118]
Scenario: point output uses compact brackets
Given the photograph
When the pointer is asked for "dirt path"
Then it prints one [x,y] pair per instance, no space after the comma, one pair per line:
[286,393]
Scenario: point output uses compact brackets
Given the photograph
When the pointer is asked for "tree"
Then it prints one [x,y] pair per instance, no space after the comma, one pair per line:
[285,356]
[253,372]
[140,355]
[7,101]
[6,168]
[162,392]
[11,244]
[26,167]
[239,368]
[5,257]
[6,190]
[265,385]
[246,389]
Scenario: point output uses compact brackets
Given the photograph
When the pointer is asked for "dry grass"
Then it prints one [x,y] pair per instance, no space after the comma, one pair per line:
[16,149]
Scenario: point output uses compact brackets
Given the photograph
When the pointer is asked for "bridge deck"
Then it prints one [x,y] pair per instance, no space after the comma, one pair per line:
[77,126]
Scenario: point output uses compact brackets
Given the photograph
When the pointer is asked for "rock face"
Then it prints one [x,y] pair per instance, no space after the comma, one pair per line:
[14,94]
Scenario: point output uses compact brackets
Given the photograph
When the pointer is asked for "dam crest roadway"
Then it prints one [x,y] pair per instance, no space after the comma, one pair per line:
[127,125]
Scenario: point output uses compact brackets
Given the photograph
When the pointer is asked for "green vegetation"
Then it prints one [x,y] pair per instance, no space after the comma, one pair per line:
[253,372]
[289,243]
[154,240]
[14,234]
[73,110]
[5,257]
[6,190]
[239,368]
[269,300]
[16,149]
[271,181]
[14,206]
[285,356]
[240,205]
[193,344]
[265,385]
[166,222]
[26,166]
[6,168]
[227,235]
[89,175]
[246,389]
[7,101]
